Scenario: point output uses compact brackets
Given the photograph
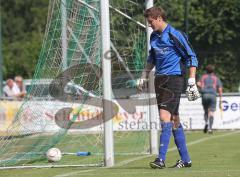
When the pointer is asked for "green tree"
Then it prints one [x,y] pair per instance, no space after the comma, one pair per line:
[23,24]
[214,32]
[214,28]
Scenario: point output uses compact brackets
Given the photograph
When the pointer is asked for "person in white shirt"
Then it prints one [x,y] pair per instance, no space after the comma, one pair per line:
[19,82]
[11,89]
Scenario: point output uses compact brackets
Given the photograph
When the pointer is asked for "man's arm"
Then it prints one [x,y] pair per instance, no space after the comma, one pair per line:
[219,87]
[192,72]
[220,90]
[186,51]
[192,90]
[184,48]
[148,68]
[141,82]
[192,75]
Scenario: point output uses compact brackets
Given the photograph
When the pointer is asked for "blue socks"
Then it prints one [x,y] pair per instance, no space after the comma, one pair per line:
[179,138]
[180,142]
[164,139]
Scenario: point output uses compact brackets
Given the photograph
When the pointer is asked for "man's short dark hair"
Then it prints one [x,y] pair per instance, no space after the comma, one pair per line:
[210,68]
[155,12]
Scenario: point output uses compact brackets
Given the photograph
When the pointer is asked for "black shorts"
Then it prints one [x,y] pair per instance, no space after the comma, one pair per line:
[168,92]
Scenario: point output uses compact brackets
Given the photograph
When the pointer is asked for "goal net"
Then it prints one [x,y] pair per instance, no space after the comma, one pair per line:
[63,106]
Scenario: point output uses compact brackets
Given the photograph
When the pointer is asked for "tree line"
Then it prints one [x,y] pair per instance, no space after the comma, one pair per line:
[213,30]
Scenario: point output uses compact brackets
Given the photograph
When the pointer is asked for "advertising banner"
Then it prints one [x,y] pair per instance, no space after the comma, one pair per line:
[192,114]
[42,116]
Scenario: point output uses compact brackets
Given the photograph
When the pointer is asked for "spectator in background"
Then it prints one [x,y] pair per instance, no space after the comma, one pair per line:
[19,81]
[11,89]
[209,85]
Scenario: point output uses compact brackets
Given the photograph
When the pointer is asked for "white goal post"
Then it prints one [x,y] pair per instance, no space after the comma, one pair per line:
[108,126]
[106,65]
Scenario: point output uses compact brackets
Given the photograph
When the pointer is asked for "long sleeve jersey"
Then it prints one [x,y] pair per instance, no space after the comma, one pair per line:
[171,52]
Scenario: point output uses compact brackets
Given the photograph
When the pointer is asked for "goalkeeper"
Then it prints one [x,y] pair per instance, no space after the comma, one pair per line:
[170,52]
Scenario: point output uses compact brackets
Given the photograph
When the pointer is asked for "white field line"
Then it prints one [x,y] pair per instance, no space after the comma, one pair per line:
[175,148]
[146,156]
[167,172]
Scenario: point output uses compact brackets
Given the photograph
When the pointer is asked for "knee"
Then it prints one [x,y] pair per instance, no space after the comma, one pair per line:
[176,121]
[165,116]
[210,114]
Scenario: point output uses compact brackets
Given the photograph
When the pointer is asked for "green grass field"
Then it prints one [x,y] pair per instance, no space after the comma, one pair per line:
[216,155]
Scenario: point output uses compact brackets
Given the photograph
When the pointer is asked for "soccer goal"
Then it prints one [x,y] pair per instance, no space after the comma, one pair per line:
[64,105]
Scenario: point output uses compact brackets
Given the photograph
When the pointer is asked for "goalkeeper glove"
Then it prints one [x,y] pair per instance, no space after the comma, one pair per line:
[141,83]
[192,90]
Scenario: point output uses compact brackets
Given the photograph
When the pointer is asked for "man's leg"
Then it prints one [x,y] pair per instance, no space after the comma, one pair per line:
[212,108]
[210,121]
[205,104]
[166,133]
[168,98]
[180,140]
[206,120]
[166,124]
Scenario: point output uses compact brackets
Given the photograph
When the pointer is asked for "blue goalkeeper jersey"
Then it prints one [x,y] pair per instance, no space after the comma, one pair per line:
[171,52]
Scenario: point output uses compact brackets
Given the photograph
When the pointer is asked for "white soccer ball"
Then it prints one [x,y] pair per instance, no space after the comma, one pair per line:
[54,155]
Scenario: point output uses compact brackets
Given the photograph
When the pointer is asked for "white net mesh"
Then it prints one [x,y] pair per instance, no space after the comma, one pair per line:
[57,110]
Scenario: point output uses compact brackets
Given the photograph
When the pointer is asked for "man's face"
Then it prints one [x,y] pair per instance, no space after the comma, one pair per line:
[10,83]
[155,24]
[19,82]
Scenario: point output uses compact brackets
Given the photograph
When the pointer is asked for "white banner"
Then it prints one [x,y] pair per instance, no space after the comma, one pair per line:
[39,116]
[192,115]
